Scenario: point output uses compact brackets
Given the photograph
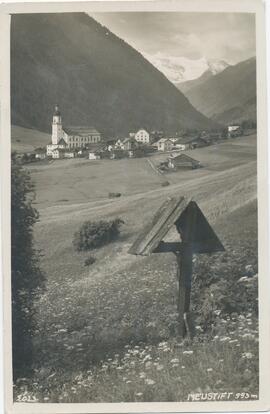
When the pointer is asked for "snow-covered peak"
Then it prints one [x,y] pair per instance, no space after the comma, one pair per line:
[216,66]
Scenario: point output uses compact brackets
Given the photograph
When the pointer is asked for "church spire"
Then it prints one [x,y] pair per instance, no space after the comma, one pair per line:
[56,110]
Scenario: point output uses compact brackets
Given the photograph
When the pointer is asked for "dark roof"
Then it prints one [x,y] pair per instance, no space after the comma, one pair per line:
[40,150]
[184,158]
[81,130]
[62,142]
[99,146]
[187,140]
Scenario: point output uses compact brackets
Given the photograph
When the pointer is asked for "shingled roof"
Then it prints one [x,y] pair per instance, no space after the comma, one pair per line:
[81,130]
[183,158]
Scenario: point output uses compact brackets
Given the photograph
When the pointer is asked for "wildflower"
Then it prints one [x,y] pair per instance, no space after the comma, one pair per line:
[142,375]
[199,328]
[187,352]
[174,361]
[233,341]
[225,339]
[247,355]
[139,394]
[183,367]
[128,382]
[149,381]
[148,364]
[209,369]
[175,365]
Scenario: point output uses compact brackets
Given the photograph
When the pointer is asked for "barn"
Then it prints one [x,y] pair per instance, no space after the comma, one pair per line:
[183,161]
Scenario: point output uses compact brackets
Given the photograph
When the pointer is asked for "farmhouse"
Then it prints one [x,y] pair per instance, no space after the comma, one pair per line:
[70,137]
[40,153]
[234,131]
[141,136]
[164,144]
[58,153]
[96,150]
[183,160]
[126,144]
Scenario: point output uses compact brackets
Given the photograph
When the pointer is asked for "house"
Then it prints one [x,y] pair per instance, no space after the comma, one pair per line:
[40,153]
[58,153]
[69,154]
[70,137]
[164,144]
[51,147]
[93,155]
[142,136]
[156,135]
[173,139]
[234,131]
[95,151]
[183,144]
[126,144]
[183,160]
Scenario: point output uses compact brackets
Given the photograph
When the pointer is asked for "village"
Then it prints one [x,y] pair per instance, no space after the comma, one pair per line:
[88,143]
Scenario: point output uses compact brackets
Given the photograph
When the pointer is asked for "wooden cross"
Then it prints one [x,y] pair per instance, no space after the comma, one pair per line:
[196,235]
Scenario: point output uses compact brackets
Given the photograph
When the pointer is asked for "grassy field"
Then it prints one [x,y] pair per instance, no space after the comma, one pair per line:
[108,332]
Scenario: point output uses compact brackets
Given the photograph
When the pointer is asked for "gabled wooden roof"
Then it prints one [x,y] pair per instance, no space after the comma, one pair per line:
[159,226]
[190,223]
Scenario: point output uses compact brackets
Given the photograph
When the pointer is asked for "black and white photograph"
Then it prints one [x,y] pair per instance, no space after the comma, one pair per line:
[134,207]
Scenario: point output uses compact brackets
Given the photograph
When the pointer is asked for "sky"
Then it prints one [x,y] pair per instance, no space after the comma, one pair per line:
[182,44]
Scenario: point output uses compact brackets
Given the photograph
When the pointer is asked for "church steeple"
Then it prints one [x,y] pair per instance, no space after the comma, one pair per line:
[56,125]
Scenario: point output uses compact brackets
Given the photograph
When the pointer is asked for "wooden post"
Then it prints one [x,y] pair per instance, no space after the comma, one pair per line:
[184,260]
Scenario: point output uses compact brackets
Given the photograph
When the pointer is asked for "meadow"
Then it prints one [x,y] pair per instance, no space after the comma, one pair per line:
[108,332]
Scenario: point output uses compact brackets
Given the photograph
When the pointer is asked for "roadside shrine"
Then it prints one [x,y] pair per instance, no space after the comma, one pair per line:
[196,236]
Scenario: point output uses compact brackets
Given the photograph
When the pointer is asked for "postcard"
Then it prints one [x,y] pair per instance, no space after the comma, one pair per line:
[135,207]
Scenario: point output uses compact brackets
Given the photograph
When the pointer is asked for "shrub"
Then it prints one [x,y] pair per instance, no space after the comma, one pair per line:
[165,184]
[114,195]
[89,261]
[96,234]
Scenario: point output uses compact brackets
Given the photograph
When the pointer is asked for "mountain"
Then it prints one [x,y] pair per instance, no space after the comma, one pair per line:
[229,96]
[95,77]
[214,67]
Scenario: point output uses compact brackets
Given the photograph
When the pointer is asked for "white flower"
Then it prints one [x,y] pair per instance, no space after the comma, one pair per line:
[187,352]
[225,339]
[149,381]
[247,355]
[174,361]
[209,369]
[148,364]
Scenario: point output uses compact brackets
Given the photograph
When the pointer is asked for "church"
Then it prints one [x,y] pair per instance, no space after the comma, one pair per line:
[70,137]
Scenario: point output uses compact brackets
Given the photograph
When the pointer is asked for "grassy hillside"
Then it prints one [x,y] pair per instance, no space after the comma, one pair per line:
[229,96]
[95,77]
[107,332]
[26,140]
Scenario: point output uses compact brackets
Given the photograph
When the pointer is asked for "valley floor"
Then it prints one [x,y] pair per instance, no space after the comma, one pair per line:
[108,332]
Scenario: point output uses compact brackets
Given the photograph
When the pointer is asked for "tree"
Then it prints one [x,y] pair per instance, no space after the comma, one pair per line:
[27,279]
